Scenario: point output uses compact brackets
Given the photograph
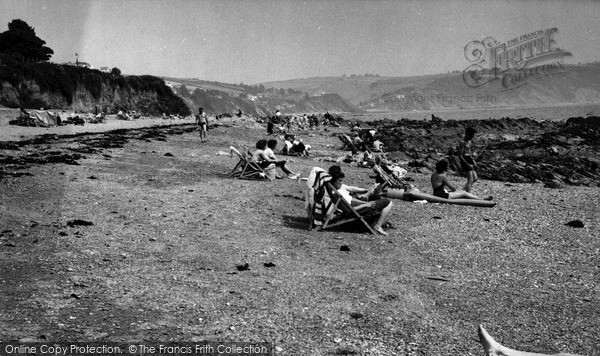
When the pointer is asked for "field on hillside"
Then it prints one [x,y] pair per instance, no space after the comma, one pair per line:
[550,112]
[140,236]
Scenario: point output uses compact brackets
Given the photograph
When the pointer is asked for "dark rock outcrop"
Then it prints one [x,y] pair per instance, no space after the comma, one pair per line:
[510,150]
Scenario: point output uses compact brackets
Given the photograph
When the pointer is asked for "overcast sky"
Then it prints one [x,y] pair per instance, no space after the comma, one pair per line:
[262,40]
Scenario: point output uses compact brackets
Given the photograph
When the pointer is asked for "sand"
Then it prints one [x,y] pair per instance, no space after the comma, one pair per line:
[160,262]
[17,133]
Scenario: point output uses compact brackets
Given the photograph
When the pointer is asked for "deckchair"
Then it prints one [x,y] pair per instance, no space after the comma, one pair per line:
[387,180]
[342,211]
[314,195]
[246,167]
[347,143]
[330,209]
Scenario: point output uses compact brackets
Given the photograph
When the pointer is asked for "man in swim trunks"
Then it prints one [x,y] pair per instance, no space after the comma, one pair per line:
[202,124]
[467,162]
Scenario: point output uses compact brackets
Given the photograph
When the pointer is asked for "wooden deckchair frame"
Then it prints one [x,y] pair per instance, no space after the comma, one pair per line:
[389,181]
[349,214]
[246,166]
[343,212]
[347,143]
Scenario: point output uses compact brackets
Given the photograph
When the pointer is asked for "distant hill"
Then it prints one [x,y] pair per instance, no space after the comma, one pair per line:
[216,97]
[571,84]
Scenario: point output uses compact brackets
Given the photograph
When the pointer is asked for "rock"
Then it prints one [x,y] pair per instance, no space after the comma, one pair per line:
[554,184]
[575,224]
[356,315]
[79,222]
[243,267]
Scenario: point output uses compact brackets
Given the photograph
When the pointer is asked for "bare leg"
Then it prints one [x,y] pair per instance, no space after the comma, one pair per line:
[385,213]
[471,178]
[285,169]
[375,190]
[461,194]
[493,348]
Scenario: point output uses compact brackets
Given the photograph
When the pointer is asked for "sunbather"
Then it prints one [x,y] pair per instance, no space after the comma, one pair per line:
[372,207]
[439,182]
[264,155]
[358,142]
[295,146]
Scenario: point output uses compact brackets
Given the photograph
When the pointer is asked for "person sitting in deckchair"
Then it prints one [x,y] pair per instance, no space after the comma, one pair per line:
[439,182]
[358,142]
[265,156]
[373,208]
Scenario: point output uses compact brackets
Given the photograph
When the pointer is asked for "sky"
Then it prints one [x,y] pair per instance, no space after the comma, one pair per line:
[258,41]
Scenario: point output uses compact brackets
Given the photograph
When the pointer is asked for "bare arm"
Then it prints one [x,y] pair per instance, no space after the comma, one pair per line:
[364,205]
[447,183]
[356,189]
[264,157]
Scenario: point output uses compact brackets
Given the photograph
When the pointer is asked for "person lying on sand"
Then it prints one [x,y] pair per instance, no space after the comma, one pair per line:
[294,147]
[439,182]
[372,207]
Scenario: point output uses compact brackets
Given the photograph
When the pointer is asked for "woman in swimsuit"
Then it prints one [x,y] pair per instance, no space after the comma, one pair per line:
[439,182]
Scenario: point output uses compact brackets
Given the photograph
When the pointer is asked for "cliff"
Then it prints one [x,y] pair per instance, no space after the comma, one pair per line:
[52,86]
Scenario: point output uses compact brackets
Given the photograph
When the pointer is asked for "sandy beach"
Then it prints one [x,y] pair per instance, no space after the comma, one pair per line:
[16,132]
[139,235]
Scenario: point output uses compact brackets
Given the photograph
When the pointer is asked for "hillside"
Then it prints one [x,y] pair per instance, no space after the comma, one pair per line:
[572,84]
[53,86]
[353,88]
[219,98]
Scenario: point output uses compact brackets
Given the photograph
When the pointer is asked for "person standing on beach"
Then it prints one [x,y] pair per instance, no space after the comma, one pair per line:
[271,122]
[202,124]
[467,163]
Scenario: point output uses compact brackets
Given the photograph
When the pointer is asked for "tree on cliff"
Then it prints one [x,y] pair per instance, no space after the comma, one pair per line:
[20,40]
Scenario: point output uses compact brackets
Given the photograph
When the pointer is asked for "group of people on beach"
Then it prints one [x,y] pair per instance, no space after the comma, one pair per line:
[265,157]
[374,203]
[279,123]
